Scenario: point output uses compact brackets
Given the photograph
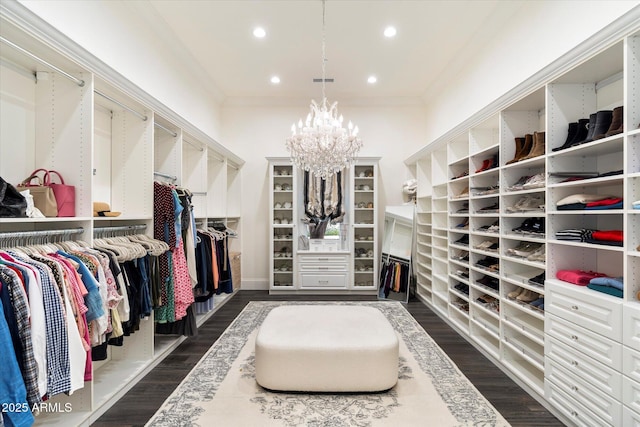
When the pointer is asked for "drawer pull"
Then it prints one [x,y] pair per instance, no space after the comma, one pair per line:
[323,268]
[574,414]
[574,388]
[574,307]
[323,281]
[323,259]
[574,363]
[574,337]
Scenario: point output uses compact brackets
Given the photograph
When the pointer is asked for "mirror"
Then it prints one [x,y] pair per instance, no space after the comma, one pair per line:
[397,253]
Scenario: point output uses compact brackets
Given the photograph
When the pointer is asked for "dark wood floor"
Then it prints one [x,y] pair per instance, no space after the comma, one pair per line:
[142,401]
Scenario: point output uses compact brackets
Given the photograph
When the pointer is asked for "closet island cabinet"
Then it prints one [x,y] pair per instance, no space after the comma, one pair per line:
[493,226]
[64,110]
[346,260]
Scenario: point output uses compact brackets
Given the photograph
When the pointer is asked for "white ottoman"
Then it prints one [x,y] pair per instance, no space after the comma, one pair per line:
[326,348]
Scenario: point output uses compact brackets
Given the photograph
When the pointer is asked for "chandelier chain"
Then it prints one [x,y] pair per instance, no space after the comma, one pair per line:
[324,56]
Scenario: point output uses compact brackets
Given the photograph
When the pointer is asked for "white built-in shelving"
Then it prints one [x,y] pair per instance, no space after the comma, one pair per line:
[578,356]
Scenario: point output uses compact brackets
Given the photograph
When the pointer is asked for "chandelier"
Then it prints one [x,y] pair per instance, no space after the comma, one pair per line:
[320,144]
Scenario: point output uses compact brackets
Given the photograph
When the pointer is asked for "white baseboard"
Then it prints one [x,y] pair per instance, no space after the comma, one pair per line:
[254,284]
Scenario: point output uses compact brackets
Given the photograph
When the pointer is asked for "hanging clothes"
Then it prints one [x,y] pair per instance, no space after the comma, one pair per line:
[394,275]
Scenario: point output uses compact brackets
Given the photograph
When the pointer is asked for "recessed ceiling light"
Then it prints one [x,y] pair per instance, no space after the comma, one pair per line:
[372,79]
[390,31]
[259,32]
[275,80]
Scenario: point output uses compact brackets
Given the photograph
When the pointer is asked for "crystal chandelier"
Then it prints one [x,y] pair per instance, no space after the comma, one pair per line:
[320,144]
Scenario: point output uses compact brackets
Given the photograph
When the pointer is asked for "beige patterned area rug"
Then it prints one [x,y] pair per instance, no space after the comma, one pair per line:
[221,389]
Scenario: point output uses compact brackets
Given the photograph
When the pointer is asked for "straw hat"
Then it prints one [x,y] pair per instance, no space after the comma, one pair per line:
[103,209]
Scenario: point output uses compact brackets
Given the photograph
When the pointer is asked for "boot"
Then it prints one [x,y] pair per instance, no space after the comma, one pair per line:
[603,121]
[519,147]
[573,130]
[591,127]
[538,146]
[616,123]
[526,148]
[580,134]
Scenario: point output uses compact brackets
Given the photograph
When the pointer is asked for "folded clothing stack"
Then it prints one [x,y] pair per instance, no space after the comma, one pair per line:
[608,285]
[593,280]
[589,202]
[598,237]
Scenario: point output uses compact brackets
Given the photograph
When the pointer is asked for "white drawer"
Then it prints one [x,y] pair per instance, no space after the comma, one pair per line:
[586,342]
[321,268]
[598,401]
[595,311]
[631,393]
[630,418]
[631,328]
[330,280]
[631,364]
[574,361]
[576,412]
[323,258]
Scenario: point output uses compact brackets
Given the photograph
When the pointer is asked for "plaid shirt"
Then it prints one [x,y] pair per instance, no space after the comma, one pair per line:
[58,370]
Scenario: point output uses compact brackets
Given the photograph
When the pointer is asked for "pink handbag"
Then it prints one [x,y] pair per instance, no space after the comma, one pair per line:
[65,194]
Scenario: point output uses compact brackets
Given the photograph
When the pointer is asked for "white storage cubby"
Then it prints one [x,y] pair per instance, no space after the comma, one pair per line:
[545,362]
[110,144]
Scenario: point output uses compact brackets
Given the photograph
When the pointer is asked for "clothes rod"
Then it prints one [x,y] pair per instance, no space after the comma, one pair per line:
[41,233]
[199,193]
[164,175]
[232,166]
[220,159]
[197,147]
[169,131]
[100,230]
[129,109]
[78,81]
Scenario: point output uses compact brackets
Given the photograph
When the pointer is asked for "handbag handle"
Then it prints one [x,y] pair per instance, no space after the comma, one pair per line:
[27,181]
[48,177]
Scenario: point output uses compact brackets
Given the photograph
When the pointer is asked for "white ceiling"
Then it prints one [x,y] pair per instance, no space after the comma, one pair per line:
[215,38]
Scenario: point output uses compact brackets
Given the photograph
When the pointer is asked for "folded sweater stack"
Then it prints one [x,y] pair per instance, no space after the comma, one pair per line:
[593,280]
[590,202]
[598,237]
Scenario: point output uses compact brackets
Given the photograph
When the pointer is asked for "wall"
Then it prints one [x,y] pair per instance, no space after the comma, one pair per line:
[540,33]
[391,132]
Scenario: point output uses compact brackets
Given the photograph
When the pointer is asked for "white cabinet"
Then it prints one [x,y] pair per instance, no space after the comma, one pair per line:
[346,264]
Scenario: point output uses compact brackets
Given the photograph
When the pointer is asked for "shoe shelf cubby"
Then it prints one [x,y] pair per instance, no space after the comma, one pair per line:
[499,190]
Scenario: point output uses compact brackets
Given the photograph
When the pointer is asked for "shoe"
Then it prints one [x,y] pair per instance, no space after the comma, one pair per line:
[538,280]
[485,299]
[538,148]
[519,148]
[464,225]
[604,119]
[537,303]
[514,294]
[535,181]
[490,282]
[463,193]
[538,255]
[616,123]
[484,245]
[518,185]
[526,203]
[489,209]
[581,132]
[464,240]
[527,249]
[527,296]
[485,165]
